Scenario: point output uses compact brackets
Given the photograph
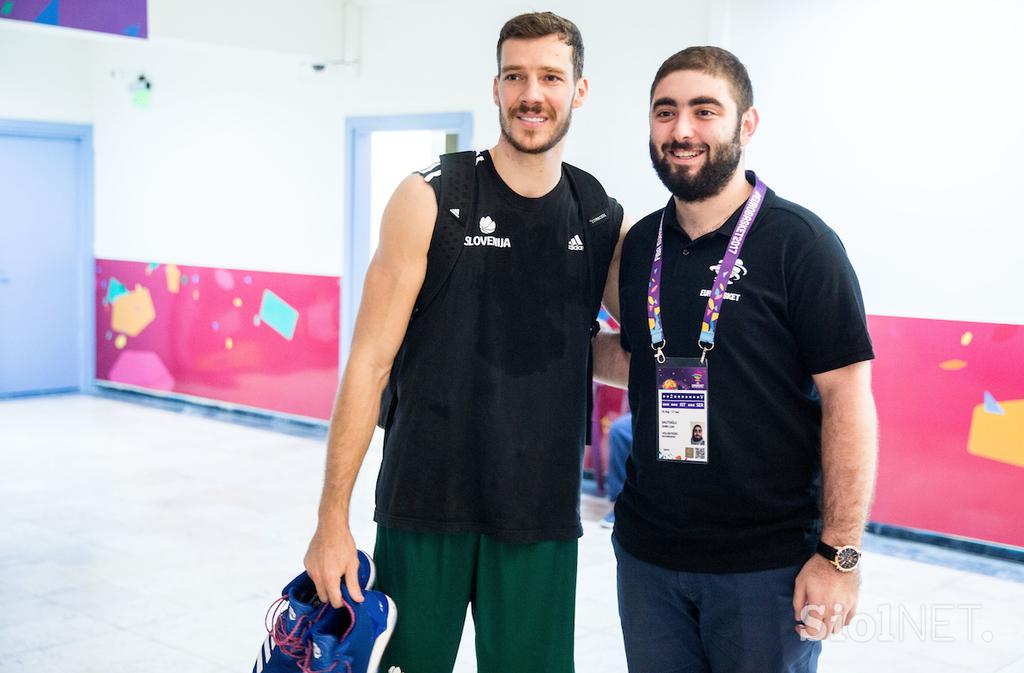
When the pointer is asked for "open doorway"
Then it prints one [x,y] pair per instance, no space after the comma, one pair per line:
[381,152]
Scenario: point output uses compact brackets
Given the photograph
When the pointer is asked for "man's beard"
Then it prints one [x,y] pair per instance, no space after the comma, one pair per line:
[689,186]
[556,136]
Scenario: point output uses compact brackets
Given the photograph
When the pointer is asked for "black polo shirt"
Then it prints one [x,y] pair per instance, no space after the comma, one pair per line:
[794,309]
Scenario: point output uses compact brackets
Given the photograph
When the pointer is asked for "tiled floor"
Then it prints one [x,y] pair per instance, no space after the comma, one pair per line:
[138,539]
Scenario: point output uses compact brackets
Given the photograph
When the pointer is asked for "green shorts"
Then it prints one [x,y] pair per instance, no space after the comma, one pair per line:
[523,598]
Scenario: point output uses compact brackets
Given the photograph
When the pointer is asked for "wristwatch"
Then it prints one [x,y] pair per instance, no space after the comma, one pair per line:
[845,558]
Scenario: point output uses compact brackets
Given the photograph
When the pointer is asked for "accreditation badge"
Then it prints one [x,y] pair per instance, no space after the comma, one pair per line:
[683,410]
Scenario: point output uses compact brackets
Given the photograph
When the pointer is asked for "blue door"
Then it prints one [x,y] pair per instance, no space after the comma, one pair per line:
[41,290]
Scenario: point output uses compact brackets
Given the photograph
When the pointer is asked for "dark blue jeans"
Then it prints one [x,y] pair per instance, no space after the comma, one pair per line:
[683,622]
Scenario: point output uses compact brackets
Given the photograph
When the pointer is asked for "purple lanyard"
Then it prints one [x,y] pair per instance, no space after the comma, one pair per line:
[714,307]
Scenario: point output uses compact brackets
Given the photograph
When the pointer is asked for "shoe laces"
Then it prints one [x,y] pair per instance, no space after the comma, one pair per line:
[306,665]
[290,641]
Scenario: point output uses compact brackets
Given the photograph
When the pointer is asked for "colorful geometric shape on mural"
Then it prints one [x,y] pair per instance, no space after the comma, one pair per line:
[237,302]
[6,9]
[992,405]
[115,289]
[224,279]
[142,368]
[998,436]
[133,30]
[173,274]
[133,312]
[966,338]
[120,342]
[50,15]
[151,267]
[278,314]
[952,365]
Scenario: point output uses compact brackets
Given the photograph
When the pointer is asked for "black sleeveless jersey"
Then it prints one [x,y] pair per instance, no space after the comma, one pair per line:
[491,380]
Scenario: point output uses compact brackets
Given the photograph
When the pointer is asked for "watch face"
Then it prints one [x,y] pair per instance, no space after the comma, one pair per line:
[847,558]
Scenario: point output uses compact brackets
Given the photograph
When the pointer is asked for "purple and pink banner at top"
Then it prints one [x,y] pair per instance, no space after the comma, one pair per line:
[120,17]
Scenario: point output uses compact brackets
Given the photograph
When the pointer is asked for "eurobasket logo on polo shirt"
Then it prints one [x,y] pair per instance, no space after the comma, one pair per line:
[738,272]
[487,226]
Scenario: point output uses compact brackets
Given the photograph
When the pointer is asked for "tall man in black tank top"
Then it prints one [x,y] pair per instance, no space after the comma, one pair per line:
[477,498]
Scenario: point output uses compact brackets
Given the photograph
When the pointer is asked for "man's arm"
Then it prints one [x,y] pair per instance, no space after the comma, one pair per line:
[611,362]
[849,454]
[393,281]
[610,299]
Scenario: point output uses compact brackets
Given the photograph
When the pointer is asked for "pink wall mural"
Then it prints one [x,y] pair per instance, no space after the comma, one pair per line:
[950,401]
[950,394]
[258,339]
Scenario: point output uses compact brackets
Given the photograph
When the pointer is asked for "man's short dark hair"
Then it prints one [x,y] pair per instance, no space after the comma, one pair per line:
[542,24]
[716,62]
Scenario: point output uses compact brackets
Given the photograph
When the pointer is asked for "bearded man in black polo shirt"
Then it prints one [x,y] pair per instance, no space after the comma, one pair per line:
[741,554]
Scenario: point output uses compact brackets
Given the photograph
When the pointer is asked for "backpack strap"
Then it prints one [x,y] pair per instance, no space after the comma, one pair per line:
[454,216]
[458,183]
[596,208]
[592,197]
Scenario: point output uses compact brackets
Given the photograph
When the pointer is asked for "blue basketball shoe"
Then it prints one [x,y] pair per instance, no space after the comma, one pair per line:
[291,616]
[352,638]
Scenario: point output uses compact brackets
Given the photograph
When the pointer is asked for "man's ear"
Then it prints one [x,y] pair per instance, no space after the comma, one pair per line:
[580,95]
[748,125]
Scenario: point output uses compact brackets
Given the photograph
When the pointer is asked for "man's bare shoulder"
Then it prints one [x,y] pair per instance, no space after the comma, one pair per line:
[408,221]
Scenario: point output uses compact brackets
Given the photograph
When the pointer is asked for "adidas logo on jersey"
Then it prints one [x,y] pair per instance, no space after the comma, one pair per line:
[576,243]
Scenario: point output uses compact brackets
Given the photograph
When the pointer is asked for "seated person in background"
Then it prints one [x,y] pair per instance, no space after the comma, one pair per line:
[620,442]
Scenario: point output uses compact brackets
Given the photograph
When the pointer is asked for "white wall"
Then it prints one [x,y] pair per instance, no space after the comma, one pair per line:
[898,122]
[310,27]
[43,76]
[237,162]
[895,122]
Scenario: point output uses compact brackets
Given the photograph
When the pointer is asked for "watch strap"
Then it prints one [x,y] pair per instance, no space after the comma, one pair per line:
[827,551]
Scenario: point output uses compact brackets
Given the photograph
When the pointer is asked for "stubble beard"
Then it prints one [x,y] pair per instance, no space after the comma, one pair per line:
[504,120]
